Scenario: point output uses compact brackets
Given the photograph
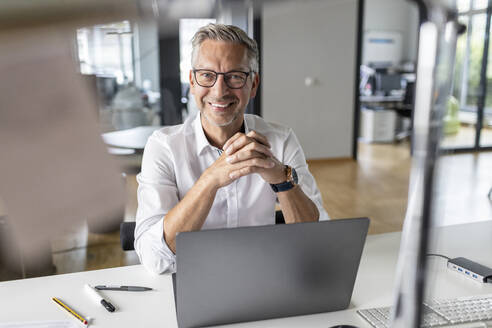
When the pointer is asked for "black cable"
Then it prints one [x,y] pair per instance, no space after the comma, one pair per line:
[439,255]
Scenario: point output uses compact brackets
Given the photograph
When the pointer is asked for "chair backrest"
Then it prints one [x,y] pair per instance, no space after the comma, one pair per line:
[127,232]
[127,235]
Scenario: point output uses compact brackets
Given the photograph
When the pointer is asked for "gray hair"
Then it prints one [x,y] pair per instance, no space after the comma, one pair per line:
[228,33]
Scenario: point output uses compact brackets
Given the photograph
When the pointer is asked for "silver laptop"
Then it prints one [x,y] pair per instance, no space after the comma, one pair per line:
[256,273]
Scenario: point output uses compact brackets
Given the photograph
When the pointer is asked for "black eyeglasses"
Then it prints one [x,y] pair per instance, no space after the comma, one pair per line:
[233,79]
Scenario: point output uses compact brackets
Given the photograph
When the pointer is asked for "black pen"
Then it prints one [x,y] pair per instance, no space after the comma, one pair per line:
[124,288]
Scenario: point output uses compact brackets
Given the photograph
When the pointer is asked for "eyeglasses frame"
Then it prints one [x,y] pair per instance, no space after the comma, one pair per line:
[217,77]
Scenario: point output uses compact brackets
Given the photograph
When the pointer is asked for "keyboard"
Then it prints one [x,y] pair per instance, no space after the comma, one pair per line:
[439,312]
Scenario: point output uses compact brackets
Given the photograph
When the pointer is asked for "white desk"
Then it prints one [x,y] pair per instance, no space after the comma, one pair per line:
[381,98]
[29,299]
[134,138]
[128,146]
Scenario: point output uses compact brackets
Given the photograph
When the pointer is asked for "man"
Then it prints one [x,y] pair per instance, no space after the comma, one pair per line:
[222,168]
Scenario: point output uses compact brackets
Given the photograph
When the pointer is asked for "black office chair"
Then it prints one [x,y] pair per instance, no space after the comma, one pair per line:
[405,107]
[127,232]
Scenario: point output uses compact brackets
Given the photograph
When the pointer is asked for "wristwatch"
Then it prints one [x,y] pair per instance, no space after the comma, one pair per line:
[290,183]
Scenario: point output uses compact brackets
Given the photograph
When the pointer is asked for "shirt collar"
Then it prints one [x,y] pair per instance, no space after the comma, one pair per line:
[201,139]
[245,123]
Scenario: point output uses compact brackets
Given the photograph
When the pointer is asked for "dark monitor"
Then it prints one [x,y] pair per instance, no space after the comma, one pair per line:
[385,83]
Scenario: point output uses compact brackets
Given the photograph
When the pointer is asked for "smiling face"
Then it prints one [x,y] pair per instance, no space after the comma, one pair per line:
[220,105]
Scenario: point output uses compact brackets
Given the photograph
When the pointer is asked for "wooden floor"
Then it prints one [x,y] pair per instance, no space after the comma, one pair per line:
[375,186]
[465,137]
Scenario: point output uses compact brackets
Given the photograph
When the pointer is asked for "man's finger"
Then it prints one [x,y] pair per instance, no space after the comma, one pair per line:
[232,139]
[251,150]
[242,172]
[258,147]
[244,155]
[240,140]
[237,144]
[259,137]
[247,143]
[265,163]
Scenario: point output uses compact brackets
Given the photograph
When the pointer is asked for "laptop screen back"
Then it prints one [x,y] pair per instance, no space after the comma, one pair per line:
[255,273]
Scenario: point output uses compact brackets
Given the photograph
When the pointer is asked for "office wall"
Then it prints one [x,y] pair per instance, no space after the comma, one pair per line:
[394,15]
[146,52]
[311,39]
[236,13]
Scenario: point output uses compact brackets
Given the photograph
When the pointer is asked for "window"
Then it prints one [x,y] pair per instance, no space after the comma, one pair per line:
[464,130]
[188,28]
[107,50]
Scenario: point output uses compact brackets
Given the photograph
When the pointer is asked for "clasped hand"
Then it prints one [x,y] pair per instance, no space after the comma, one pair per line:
[246,154]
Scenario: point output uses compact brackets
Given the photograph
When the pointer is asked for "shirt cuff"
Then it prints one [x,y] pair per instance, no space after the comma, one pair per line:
[323,215]
[156,256]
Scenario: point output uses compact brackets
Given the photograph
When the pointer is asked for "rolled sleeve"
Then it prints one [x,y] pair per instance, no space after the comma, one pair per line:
[152,249]
[157,195]
[294,156]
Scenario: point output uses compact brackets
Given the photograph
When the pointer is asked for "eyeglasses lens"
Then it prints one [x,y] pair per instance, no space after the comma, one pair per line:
[234,80]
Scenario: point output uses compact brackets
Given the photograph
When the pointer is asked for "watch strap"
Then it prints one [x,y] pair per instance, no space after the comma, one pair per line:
[284,186]
[287,185]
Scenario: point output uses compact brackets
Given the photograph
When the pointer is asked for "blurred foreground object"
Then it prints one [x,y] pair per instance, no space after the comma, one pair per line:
[54,169]
[15,14]
[437,45]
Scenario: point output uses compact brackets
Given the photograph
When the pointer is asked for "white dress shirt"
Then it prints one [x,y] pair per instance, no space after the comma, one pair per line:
[176,156]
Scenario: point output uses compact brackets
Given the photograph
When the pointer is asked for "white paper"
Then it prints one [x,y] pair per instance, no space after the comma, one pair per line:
[41,324]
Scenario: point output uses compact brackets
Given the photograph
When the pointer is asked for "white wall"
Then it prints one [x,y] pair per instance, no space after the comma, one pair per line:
[394,15]
[146,52]
[311,39]
[235,13]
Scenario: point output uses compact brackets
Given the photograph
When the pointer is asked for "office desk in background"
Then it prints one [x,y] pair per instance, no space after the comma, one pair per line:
[398,116]
[132,139]
[395,103]
[128,145]
[381,99]
[30,299]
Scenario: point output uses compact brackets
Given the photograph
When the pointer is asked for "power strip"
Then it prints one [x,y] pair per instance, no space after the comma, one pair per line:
[471,269]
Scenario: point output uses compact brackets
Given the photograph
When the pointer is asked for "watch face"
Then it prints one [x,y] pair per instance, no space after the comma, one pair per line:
[294,176]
